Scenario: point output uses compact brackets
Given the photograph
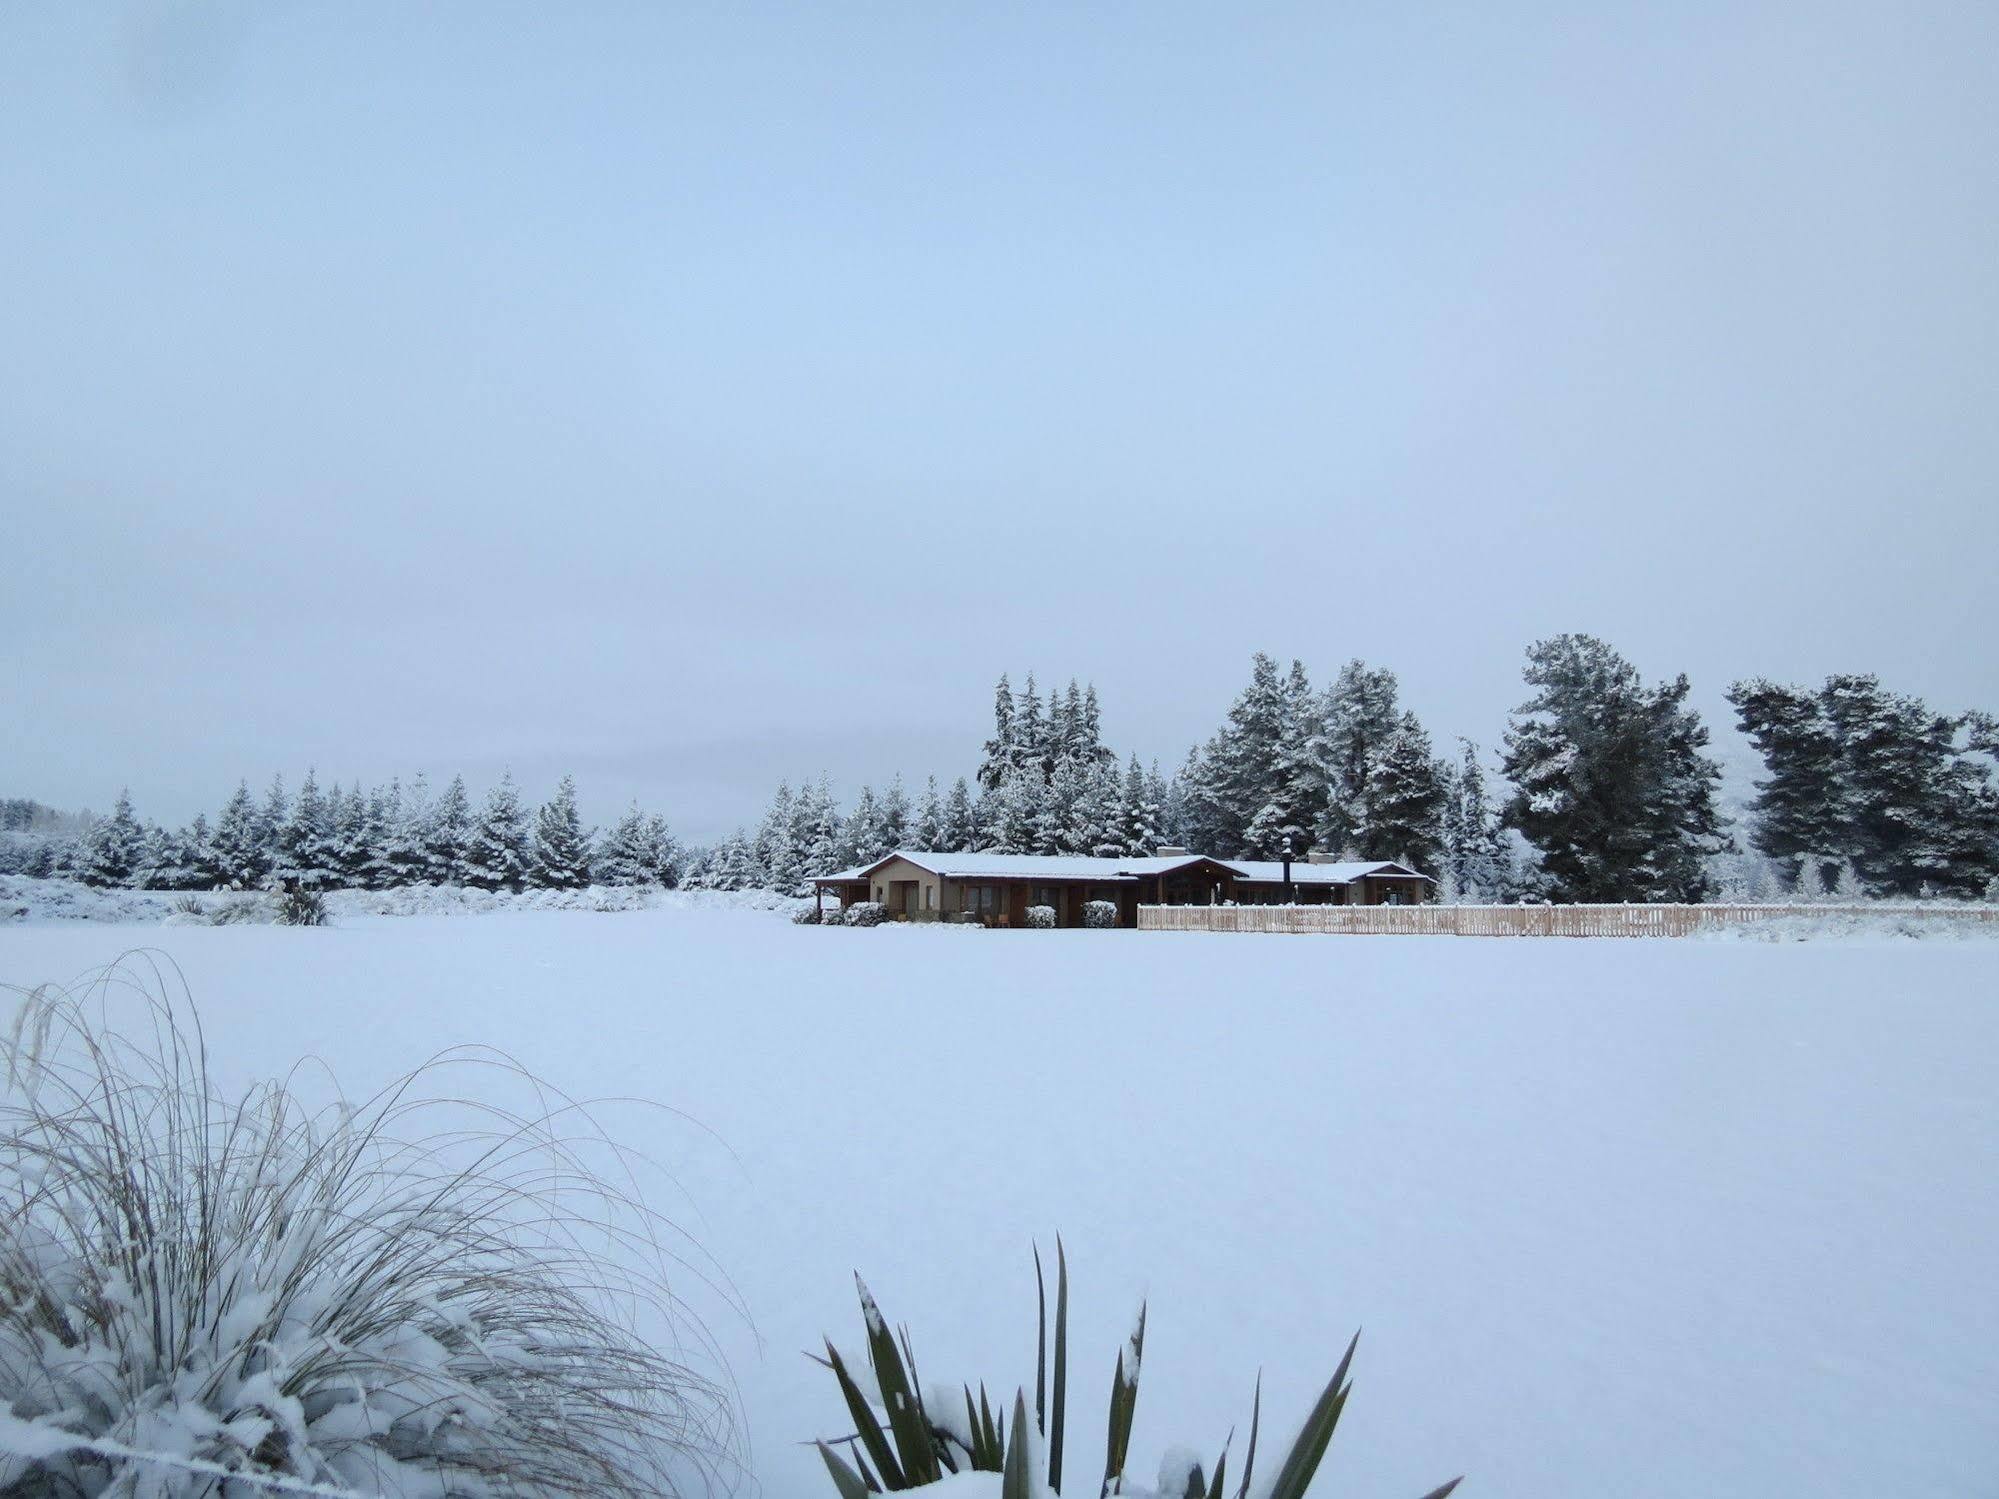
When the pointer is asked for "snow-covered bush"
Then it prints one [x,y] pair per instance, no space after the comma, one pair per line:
[866,913]
[196,1284]
[299,905]
[1041,918]
[1100,913]
[936,1433]
[805,916]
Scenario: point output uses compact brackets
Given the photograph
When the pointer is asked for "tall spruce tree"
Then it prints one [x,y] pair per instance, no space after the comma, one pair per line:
[1000,749]
[926,829]
[561,844]
[305,843]
[114,850]
[1357,718]
[238,843]
[447,836]
[961,823]
[1611,784]
[499,854]
[1405,800]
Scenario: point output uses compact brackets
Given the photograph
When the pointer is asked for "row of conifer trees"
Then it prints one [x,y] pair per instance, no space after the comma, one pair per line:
[1603,790]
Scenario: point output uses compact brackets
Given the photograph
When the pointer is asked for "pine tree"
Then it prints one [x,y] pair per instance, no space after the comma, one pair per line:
[894,825]
[236,850]
[961,824]
[1808,885]
[1055,829]
[561,853]
[1030,732]
[347,840]
[1000,749]
[1099,826]
[773,852]
[865,841]
[1405,800]
[384,859]
[1294,803]
[1474,846]
[199,841]
[114,848]
[1139,806]
[926,827]
[1008,818]
[499,853]
[664,852]
[1357,719]
[623,856]
[1611,784]
[447,836]
[305,843]
[819,839]
[271,820]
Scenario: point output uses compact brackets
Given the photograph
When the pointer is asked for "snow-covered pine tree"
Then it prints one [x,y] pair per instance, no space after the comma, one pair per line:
[1475,844]
[561,854]
[1293,792]
[1030,731]
[1808,883]
[1000,750]
[1404,799]
[863,841]
[382,862]
[1100,816]
[1229,780]
[895,815]
[272,817]
[1090,730]
[305,843]
[1007,818]
[153,868]
[1357,718]
[114,849]
[774,853]
[1140,831]
[818,834]
[1846,886]
[198,839]
[621,853]
[668,859]
[1055,827]
[960,831]
[1611,784]
[236,850]
[347,835]
[447,836]
[926,823]
[499,853]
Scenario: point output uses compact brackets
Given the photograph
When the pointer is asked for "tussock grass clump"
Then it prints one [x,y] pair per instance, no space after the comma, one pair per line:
[910,1445]
[211,1295]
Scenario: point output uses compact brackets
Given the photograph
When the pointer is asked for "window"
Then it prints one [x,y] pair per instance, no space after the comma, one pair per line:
[1048,895]
[982,900]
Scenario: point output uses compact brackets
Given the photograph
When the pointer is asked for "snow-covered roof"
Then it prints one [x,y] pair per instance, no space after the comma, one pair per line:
[1110,871]
[1322,874]
[1025,866]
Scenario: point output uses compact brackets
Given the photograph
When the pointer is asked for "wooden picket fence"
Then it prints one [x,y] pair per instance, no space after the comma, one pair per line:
[1514,921]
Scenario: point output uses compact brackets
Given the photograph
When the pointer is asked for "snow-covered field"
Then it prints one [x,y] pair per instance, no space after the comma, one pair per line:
[1658,1218]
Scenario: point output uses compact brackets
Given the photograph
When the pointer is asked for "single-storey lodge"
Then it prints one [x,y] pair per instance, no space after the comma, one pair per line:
[997,889]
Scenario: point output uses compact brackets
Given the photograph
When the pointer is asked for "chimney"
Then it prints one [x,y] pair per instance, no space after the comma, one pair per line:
[1315,857]
[1287,869]
[1173,851]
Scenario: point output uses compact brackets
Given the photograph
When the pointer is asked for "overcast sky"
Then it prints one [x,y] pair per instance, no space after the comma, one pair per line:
[689,396]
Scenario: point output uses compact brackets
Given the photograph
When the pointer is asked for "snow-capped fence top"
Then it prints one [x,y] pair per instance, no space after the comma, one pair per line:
[1521,921]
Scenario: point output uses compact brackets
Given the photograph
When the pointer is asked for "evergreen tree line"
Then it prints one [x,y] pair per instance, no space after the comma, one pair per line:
[1605,791]
[336,838]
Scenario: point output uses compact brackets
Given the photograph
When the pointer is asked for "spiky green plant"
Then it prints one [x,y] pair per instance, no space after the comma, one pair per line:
[905,1447]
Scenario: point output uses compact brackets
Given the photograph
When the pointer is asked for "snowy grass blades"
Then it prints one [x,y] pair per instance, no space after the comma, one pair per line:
[349,1298]
[914,1451]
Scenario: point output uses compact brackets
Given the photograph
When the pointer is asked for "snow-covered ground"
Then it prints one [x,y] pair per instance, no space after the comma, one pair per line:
[1657,1218]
